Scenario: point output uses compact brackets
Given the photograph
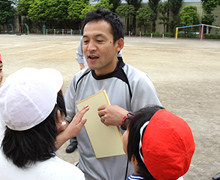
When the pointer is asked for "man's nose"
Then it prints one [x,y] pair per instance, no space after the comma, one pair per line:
[91,46]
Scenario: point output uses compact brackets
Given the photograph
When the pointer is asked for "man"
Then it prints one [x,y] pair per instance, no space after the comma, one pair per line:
[32,108]
[83,64]
[103,38]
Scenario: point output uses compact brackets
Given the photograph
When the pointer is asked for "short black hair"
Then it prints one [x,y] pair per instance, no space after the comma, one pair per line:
[140,117]
[36,144]
[117,25]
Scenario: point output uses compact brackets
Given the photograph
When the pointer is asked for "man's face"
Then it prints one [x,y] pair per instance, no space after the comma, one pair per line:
[99,48]
[1,72]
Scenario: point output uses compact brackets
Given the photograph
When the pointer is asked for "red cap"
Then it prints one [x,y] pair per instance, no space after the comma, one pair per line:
[167,146]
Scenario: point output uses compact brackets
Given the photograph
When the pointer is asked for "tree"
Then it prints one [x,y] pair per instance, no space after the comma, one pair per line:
[208,6]
[136,4]
[174,7]
[105,4]
[50,12]
[115,3]
[76,9]
[145,16]
[189,16]
[153,4]
[7,12]
[23,7]
[126,11]
[164,10]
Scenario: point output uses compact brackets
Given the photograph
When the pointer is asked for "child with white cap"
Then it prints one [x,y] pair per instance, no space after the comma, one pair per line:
[159,144]
[32,108]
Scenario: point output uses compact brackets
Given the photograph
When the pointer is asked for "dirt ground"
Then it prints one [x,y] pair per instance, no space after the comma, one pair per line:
[186,74]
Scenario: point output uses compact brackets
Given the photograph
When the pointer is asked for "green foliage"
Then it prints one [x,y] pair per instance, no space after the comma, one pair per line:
[7,12]
[76,9]
[190,35]
[125,11]
[105,4]
[189,16]
[208,18]
[187,35]
[115,3]
[208,6]
[23,6]
[175,6]
[145,16]
[48,10]
[168,35]
[181,35]
[135,3]
[212,36]
[137,34]
[37,10]
[156,34]
[164,10]
[153,4]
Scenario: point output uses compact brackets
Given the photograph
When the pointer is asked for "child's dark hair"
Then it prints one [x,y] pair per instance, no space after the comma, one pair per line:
[35,144]
[117,26]
[140,117]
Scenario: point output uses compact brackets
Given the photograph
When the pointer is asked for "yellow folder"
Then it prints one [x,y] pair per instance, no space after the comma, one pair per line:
[106,140]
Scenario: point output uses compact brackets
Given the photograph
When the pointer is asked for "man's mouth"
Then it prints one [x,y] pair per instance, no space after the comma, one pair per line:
[93,57]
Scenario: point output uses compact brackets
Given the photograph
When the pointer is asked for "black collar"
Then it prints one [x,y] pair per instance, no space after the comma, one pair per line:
[120,65]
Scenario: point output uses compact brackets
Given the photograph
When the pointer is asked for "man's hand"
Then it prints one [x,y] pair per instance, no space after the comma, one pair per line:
[111,114]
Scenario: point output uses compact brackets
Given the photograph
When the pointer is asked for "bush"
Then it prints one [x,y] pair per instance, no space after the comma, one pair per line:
[181,35]
[156,34]
[148,34]
[168,35]
[51,31]
[137,34]
[212,36]
[217,36]
[191,35]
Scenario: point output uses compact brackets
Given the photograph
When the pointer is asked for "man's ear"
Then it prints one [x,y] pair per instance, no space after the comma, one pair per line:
[120,44]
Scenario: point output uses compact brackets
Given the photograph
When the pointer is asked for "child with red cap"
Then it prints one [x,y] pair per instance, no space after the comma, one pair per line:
[1,72]
[159,144]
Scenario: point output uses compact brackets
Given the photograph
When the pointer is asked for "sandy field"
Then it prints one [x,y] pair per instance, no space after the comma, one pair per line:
[186,74]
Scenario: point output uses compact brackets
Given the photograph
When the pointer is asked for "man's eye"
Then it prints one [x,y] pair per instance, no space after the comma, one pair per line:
[99,40]
[85,42]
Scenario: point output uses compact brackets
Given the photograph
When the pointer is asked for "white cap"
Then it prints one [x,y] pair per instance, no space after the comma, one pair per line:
[28,96]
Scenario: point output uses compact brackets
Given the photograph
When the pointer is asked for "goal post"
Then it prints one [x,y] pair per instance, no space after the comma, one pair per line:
[177,29]
[202,29]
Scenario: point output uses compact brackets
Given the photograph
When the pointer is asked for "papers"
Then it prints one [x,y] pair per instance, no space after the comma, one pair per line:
[106,140]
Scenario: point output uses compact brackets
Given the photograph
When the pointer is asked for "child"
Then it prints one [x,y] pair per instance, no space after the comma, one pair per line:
[32,108]
[159,144]
[1,72]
